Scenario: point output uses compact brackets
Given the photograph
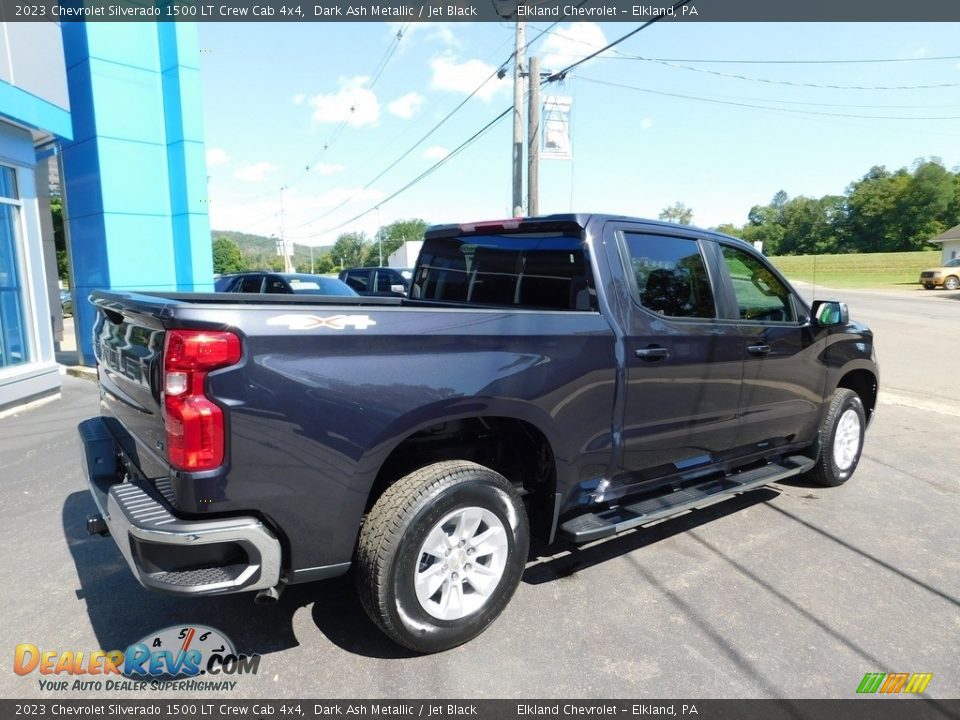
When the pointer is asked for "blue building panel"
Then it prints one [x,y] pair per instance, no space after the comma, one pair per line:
[194,260]
[81,162]
[188,184]
[132,175]
[26,109]
[136,178]
[130,43]
[139,252]
[129,102]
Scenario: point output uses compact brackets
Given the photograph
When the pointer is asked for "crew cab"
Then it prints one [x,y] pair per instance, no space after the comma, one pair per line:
[567,377]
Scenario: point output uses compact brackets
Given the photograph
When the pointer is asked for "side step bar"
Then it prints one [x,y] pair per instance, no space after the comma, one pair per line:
[598,525]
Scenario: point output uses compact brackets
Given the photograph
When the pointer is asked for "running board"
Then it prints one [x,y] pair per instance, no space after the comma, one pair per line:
[599,525]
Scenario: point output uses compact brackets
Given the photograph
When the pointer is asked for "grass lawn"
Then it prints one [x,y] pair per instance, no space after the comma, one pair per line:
[864,270]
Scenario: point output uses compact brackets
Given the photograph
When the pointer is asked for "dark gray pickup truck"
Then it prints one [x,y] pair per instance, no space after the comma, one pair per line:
[563,377]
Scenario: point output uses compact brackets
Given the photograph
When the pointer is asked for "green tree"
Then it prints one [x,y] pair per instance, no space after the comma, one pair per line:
[323,264]
[60,239]
[677,213]
[227,257]
[349,249]
[393,236]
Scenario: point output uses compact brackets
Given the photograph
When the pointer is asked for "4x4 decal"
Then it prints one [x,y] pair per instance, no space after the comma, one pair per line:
[334,322]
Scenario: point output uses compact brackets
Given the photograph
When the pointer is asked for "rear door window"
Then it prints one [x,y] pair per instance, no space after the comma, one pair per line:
[359,280]
[671,276]
[533,270]
[249,284]
[276,285]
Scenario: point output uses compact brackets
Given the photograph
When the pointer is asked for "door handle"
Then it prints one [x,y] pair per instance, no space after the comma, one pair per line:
[758,350]
[652,354]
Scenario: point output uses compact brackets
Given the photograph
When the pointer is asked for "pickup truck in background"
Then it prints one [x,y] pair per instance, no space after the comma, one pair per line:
[562,377]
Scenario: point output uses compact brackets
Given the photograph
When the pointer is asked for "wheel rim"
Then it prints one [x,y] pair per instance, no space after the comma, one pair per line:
[951,284]
[461,563]
[846,441]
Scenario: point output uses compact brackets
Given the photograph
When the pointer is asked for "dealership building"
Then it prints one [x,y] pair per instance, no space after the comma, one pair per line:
[105,117]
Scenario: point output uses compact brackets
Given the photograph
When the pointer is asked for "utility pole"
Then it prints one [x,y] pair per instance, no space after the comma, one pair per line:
[518,119]
[287,264]
[533,140]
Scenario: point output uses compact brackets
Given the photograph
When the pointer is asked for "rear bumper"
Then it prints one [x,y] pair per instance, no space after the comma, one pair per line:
[167,553]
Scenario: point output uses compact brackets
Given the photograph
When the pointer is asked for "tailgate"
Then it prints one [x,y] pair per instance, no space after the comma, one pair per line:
[128,344]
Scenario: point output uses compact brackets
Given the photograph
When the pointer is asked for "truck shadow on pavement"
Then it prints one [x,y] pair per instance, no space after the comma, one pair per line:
[562,560]
[122,612]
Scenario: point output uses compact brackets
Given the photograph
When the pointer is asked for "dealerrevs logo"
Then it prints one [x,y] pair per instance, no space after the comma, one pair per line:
[175,652]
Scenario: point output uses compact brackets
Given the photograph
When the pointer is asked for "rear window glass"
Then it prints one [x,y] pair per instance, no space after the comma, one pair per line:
[541,270]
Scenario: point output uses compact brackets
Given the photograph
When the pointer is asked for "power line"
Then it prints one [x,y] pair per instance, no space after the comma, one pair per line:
[758,107]
[559,75]
[377,72]
[466,143]
[410,149]
[624,56]
[802,84]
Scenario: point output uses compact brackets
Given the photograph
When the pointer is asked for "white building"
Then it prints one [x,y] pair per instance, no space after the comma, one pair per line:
[950,240]
[406,255]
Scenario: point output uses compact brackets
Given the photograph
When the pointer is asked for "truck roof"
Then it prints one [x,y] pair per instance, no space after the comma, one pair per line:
[556,221]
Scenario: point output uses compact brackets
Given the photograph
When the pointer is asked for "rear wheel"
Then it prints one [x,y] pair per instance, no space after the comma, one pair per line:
[441,554]
[841,439]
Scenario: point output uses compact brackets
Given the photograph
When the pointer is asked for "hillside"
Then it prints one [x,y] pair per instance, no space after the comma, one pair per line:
[260,252]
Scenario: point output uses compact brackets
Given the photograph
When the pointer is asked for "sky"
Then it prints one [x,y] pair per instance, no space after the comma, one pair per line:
[655,120]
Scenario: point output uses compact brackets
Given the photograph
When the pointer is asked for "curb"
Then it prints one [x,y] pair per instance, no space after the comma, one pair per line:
[79,371]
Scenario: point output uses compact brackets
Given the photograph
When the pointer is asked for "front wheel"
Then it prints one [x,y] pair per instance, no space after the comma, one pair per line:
[951,283]
[441,553]
[841,439]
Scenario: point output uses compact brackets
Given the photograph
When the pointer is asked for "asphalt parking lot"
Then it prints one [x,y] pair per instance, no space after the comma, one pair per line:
[791,591]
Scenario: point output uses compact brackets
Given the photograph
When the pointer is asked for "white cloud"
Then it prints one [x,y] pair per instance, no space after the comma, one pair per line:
[407,105]
[326,170]
[262,216]
[353,102]
[435,153]
[433,31]
[571,43]
[646,123]
[254,173]
[299,98]
[465,77]
[217,156]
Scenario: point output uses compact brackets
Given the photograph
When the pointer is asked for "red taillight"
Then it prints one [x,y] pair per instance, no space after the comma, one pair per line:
[194,424]
[509,224]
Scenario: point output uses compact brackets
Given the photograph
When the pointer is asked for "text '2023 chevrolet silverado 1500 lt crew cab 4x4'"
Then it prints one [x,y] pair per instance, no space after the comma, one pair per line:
[563,377]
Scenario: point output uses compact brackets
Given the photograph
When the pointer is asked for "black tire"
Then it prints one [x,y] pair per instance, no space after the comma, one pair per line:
[951,283]
[832,470]
[929,286]
[389,552]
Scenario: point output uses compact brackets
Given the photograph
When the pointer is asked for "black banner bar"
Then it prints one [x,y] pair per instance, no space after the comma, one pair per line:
[214,709]
[628,11]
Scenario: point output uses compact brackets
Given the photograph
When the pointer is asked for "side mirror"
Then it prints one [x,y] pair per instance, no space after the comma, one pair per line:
[829,313]
[398,289]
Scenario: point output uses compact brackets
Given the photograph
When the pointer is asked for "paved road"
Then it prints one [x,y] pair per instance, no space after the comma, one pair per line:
[917,345]
[792,591]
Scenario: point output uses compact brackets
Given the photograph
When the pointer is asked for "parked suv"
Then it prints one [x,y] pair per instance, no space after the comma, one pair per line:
[382,281]
[946,276]
[283,283]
